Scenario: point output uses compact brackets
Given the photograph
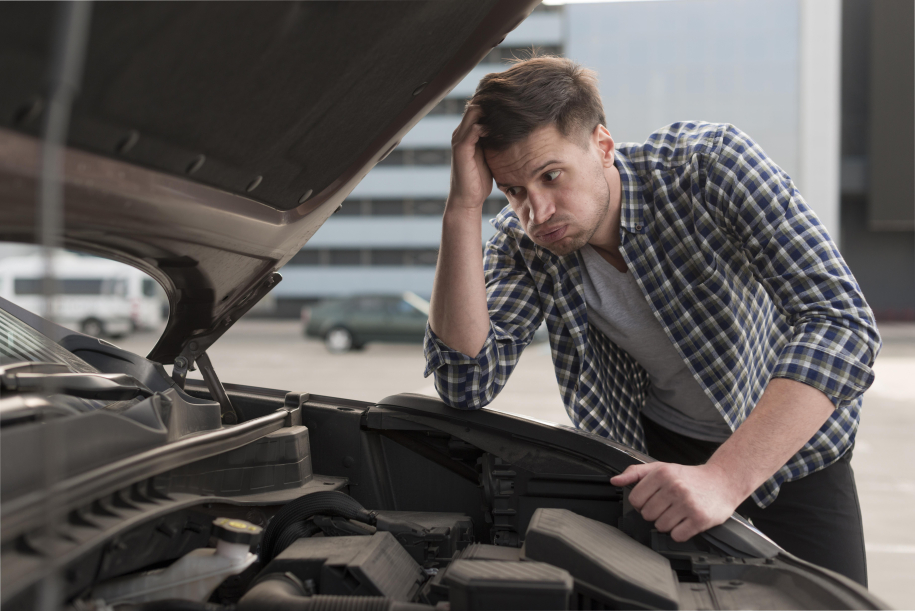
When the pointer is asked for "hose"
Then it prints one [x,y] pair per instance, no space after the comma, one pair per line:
[292,533]
[329,502]
[288,525]
[282,593]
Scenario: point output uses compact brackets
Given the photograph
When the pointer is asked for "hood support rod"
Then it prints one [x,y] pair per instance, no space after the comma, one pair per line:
[217,391]
[185,363]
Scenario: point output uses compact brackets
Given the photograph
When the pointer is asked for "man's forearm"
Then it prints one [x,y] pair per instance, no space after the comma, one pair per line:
[786,417]
[459,314]
[686,500]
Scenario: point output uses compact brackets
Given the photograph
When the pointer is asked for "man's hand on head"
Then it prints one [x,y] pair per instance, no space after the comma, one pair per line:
[681,500]
[471,180]
[459,313]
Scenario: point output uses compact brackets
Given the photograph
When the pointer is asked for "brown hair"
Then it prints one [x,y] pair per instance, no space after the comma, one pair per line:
[536,92]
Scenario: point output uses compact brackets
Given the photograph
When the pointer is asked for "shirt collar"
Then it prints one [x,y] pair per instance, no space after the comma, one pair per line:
[632,202]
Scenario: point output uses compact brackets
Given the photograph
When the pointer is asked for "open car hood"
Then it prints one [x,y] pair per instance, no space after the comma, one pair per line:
[209,141]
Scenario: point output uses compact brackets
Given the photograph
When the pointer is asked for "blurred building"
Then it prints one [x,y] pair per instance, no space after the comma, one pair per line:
[827,88]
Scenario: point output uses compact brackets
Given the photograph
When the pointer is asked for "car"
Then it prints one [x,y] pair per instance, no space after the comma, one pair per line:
[347,324]
[207,144]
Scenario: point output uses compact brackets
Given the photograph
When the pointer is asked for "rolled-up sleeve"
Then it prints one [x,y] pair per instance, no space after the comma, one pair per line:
[466,382]
[835,339]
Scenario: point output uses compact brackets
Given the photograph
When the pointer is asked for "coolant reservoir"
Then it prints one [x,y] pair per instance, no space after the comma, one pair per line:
[195,575]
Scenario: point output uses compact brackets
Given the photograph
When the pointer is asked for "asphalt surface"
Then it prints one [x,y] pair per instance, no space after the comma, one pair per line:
[274,354]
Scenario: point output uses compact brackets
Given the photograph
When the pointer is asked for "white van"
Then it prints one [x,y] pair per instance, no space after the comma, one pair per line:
[92,293]
[148,302]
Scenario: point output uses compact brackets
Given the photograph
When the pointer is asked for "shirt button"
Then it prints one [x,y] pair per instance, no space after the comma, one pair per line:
[638,227]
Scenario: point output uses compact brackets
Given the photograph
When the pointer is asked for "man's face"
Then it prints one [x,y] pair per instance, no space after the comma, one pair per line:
[556,185]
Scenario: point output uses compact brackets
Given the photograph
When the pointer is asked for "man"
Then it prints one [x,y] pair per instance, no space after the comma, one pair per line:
[696,307]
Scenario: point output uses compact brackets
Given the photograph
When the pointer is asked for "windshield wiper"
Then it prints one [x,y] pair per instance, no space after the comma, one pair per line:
[100,386]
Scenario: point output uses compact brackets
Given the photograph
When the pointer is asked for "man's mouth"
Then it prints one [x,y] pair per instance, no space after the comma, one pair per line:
[552,235]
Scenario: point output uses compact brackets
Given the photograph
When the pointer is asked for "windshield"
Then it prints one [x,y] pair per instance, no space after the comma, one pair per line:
[20,342]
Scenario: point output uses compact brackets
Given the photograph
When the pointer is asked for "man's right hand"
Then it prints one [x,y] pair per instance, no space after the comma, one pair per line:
[471,180]
[459,314]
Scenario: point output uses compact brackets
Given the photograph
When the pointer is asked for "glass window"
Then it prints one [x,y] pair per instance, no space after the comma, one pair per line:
[306,257]
[27,286]
[345,257]
[493,206]
[425,257]
[149,287]
[115,287]
[387,207]
[70,286]
[449,106]
[387,257]
[429,207]
[21,343]
[370,304]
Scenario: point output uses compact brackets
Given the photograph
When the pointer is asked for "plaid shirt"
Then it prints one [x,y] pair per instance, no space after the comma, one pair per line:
[738,270]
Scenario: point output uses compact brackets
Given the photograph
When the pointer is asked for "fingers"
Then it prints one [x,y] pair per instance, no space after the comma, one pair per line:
[669,520]
[686,530]
[633,474]
[654,506]
[468,129]
[473,112]
[661,496]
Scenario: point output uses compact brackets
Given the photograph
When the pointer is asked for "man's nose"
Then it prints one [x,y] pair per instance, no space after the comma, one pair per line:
[541,207]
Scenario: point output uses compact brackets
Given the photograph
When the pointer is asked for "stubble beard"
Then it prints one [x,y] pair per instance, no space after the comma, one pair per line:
[601,208]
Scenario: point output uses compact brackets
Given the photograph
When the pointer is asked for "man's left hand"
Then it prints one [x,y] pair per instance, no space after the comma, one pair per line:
[681,500]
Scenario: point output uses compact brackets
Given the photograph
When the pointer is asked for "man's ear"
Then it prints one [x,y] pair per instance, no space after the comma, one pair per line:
[603,141]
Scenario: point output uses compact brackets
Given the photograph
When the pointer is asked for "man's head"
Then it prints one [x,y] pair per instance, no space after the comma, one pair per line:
[548,150]
[538,92]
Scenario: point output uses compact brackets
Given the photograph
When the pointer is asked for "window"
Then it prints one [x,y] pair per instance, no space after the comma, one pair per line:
[492,207]
[21,343]
[387,257]
[345,257]
[503,55]
[422,257]
[409,207]
[434,207]
[418,157]
[71,286]
[426,257]
[149,287]
[387,208]
[370,304]
[449,106]
[306,257]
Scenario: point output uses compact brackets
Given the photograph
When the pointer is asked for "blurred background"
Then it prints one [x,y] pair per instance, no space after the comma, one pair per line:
[826,87]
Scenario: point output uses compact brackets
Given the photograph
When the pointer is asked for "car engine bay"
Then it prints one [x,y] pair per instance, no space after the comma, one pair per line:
[122,490]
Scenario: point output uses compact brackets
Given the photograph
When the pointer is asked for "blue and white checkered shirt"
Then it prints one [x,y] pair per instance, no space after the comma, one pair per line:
[738,270]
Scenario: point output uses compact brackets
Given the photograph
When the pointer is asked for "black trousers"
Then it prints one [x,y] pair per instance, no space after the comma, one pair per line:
[817,518]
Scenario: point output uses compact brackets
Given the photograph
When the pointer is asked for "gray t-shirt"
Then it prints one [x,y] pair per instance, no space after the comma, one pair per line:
[618,308]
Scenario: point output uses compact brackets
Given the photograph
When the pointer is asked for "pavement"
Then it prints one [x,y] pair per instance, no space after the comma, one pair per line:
[274,354]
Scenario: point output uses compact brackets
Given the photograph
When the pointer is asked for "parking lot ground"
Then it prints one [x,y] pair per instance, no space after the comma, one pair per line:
[274,354]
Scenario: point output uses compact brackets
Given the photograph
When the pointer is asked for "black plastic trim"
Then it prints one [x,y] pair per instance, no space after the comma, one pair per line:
[28,511]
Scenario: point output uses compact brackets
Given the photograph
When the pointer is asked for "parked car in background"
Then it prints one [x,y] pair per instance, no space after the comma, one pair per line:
[350,323]
[91,293]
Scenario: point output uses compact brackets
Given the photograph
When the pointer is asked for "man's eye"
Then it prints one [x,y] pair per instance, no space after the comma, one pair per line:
[511,191]
[551,175]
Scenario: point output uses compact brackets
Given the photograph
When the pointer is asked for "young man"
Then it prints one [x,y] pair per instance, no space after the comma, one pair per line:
[696,307]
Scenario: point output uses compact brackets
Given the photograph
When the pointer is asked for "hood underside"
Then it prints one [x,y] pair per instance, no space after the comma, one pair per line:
[209,141]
